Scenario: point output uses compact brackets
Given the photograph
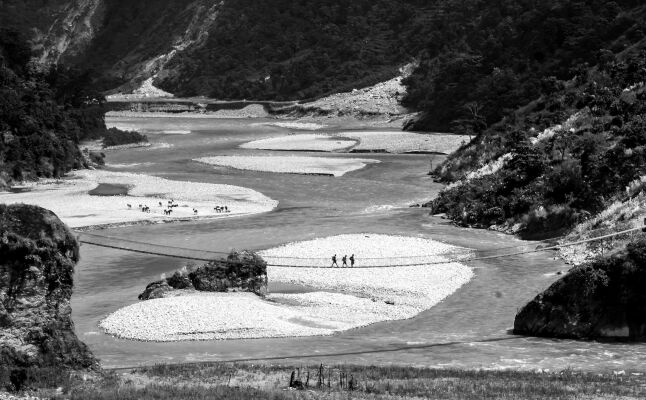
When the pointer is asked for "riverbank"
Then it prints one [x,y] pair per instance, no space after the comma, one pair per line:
[71,200]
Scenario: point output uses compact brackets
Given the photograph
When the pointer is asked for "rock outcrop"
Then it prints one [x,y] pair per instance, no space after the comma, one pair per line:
[243,271]
[37,257]
[601,299]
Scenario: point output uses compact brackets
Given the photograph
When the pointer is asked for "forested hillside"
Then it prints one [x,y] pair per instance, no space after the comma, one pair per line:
[563,157]
[289,49]
[43,115]
[479,59]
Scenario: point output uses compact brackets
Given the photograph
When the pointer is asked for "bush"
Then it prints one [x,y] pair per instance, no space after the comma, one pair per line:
[117,137]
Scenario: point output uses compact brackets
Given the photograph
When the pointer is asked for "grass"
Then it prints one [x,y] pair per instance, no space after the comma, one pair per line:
[246,381]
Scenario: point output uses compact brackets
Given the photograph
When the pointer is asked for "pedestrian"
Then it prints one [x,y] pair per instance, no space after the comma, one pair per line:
[334,261]
[352,261]
[345,261]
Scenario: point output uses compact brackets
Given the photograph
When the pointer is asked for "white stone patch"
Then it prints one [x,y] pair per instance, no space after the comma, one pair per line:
[301,126]
[290,164]
[403,142]
[304,142]
[386,141]
[488,169]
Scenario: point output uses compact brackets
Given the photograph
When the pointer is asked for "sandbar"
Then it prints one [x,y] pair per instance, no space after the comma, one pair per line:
[71,200]
[332,166]
[347,297]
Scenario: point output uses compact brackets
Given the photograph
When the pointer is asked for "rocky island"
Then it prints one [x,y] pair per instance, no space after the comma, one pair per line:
[242,271]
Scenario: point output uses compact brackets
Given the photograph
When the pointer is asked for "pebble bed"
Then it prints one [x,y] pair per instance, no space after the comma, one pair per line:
[403,142]
[70,200]
[290,164]
[304,142]
[353,297]
[301,126]
[368,141]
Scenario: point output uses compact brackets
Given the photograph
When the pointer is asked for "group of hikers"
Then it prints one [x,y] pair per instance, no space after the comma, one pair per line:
[344,259]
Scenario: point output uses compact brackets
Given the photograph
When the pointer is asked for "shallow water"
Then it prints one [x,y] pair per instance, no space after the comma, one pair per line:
[468,329]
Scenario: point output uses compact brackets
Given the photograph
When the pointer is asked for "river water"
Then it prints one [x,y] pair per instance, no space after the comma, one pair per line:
[469,329]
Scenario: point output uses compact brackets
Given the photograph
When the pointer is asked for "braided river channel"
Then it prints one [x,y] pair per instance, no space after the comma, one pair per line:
[469,329]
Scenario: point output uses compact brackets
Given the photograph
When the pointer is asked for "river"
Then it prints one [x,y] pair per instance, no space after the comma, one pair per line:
[469,329]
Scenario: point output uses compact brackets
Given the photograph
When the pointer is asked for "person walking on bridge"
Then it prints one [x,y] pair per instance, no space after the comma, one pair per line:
[334,261]
[345,261]
[352,261]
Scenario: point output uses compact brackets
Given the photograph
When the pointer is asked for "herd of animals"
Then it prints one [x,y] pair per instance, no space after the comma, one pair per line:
[171,204]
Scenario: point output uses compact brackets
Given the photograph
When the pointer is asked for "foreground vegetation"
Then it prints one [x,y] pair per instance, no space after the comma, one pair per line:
[243,381]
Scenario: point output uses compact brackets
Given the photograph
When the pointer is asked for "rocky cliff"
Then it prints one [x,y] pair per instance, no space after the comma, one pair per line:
[37,257]
[70,33]
[126,42]
[601,299]
[242,271]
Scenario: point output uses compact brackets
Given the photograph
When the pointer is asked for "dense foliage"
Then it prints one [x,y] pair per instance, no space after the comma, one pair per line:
[560,175]
[477,58]
[45,114]
[38,137]
[594,300]
[116,137]
[289,49]
[480,58]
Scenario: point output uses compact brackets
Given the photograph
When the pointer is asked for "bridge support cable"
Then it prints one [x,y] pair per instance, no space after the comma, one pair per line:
[464,257]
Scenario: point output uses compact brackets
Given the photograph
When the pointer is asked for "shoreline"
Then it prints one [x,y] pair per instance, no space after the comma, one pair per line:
[99,227]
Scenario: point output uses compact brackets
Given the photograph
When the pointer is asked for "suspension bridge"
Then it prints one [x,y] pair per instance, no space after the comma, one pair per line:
[460,255]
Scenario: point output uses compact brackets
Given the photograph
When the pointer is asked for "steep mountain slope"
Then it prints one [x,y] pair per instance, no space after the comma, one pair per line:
[136,40]
[57,29]
[562,158]
[288,49]
[480,59]
[121,41]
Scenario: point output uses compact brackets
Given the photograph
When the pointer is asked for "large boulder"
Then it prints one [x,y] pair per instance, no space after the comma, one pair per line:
[155,290]
[601,299]
[37,257]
